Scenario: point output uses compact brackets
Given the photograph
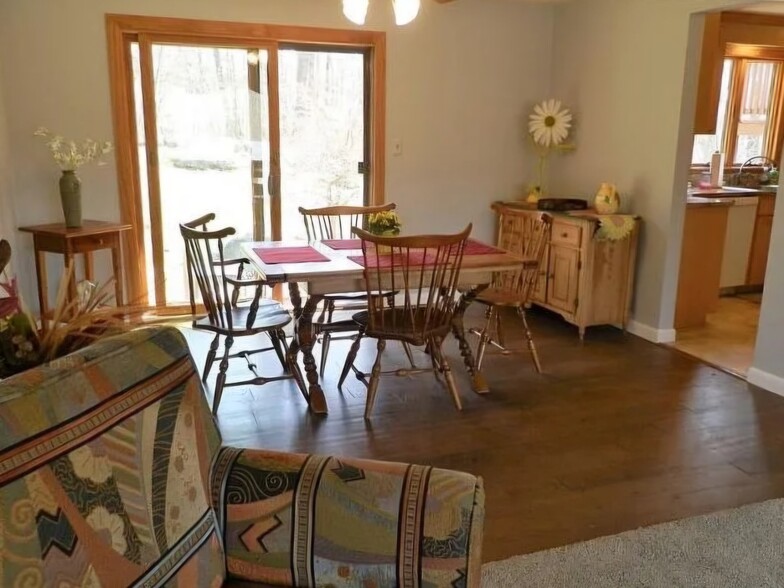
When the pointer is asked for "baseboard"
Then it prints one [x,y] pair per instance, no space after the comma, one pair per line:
[650,333]
[735,290]
[766,381]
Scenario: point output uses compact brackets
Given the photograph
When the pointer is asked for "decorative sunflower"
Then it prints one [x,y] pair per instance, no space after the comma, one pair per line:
[550,123]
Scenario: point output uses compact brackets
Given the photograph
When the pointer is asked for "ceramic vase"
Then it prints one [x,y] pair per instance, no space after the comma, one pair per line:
[71,198]
[607,200]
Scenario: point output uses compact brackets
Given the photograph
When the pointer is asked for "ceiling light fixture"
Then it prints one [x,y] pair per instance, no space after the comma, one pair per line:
[356,10]
[405,10]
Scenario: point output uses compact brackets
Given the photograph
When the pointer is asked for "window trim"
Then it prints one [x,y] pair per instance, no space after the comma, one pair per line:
[122,30]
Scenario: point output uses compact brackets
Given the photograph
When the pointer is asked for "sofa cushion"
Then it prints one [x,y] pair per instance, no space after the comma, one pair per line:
[105,459]
[307,520]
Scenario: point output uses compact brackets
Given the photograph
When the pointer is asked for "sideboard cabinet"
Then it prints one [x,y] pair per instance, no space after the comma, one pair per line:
[586,280]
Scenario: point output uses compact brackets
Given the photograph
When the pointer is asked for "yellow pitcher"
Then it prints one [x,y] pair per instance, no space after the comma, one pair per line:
[607,200]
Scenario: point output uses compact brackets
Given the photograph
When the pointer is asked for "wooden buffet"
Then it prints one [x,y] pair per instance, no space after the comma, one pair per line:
[587,281]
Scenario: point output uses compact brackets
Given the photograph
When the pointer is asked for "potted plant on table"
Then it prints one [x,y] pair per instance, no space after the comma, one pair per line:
[70,156]
[384,224]
[75,323]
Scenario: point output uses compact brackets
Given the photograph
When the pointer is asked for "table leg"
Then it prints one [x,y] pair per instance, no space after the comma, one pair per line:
[43,286]
[304,339]
[118,276]
[89,274]
[478,383]
[69,261]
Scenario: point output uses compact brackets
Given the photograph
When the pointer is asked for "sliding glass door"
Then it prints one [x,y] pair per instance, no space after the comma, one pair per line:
[249,133]
[324,135]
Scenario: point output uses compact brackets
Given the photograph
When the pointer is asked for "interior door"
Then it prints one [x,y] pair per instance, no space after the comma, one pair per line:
[210,143]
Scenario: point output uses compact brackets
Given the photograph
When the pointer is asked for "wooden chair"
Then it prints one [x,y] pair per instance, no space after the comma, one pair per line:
[337,222]
[514,289]
[208,273]
[425,271]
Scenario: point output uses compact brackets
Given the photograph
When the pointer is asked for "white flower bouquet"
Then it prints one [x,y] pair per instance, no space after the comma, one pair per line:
[69,155]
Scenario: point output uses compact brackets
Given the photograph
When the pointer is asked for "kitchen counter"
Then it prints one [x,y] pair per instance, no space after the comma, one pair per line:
[702,202]
[731,191]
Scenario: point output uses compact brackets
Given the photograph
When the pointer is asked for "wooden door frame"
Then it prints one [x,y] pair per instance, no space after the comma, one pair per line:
[122,30]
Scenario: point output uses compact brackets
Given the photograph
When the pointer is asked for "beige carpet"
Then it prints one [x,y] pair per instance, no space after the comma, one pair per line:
[741,548]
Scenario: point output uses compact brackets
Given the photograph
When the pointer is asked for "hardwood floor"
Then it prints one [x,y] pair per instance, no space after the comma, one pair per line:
[617,434]
[728,338]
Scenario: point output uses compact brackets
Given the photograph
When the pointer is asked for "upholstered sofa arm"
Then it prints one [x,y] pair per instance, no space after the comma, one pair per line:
[307,520]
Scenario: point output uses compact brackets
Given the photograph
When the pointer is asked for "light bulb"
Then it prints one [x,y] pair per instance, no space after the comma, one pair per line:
[405,11]
[356,10]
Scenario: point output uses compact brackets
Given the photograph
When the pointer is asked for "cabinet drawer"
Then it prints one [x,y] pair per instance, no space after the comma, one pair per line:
[564,234]
[94,242]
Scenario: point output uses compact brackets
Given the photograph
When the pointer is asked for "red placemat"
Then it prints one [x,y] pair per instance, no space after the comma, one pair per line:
[415,258]
[274,255]
[343,243]
[474,247]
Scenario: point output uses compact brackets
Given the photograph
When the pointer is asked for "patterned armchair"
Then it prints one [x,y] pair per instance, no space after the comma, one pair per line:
[112,474]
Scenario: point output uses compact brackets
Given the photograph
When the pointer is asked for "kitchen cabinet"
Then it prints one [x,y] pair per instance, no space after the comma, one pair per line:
[585,280]
[760,245]
[704,231]
[709,81]
[564,270]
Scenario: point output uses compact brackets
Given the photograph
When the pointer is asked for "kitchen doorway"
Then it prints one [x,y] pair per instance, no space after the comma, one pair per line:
[731,199]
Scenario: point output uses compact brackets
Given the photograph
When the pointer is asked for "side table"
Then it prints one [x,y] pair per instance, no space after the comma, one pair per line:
[91,236]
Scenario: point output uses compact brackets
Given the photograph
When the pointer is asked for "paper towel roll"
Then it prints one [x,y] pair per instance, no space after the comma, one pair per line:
[717,169]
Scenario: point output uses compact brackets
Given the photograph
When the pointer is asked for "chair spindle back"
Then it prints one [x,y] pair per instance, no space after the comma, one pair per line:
[424,270]
[336,222]
[526,235]
[204,252]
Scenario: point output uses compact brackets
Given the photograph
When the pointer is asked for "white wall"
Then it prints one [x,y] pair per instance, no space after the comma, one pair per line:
[628,69]
[460,80]
[768,369]
[7,216]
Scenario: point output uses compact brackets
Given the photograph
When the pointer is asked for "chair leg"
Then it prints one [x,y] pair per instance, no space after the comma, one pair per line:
[484,336]
[330,310]
[283,341]
[409,354]
[211,357]
[530,338]
[221,381]
[324,351]
[322,315]
[434,360]
[350,359]
[375,376]
[277,345]
[499,328]
[447,371]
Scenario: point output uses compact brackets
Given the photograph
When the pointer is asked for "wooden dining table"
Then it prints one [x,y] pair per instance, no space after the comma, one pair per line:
[337,274]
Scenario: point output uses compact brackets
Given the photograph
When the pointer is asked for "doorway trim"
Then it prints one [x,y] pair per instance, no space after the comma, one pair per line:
[122,30]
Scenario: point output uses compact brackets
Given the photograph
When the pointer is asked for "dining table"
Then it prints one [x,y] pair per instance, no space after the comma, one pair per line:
[315,269]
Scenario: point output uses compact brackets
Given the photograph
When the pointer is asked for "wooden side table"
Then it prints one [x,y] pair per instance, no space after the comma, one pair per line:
[91,236]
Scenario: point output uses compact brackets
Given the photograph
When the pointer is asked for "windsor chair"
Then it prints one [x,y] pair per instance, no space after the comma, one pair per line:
[425,271]
[208,275]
